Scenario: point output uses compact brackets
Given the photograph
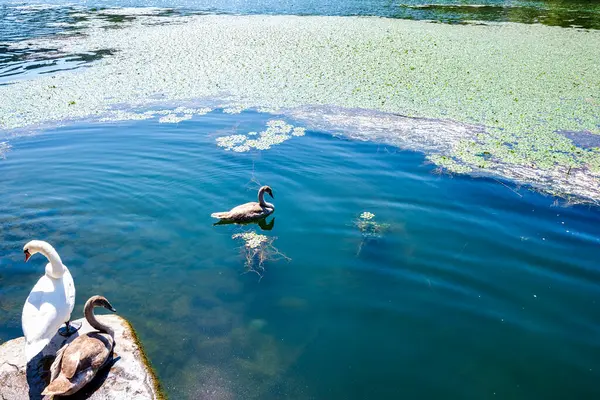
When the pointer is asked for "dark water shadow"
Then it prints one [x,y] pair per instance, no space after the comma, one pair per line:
[262,223]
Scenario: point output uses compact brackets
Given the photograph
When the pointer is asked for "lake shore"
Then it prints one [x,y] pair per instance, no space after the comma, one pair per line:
[129,375]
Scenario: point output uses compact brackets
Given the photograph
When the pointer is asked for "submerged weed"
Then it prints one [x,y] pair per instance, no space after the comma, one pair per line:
[257,250]
[369,228]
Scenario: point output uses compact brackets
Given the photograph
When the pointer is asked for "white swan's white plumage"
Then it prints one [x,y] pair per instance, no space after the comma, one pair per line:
[50,302]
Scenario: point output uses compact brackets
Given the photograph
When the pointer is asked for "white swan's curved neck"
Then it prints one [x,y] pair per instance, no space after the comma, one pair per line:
[55,269]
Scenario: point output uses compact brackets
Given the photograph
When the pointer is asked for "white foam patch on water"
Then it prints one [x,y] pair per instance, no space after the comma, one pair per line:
[487,99]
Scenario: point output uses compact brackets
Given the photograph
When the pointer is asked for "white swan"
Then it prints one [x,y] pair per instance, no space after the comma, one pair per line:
[50,302]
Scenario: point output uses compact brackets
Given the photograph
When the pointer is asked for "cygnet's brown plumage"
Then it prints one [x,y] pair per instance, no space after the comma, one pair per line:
[77,363]
[249,211]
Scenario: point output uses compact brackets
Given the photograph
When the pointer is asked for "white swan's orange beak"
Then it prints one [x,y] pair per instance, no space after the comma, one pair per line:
[27,255]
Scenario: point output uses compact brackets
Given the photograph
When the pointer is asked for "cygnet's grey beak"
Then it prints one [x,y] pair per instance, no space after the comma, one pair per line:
[271,194]
[113,309]
[27,255]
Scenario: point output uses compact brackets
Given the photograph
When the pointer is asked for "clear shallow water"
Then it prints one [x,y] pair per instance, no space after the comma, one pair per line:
[476,291]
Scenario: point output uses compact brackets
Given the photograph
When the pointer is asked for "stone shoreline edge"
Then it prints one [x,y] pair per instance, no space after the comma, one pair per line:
[131,376]
[157,386]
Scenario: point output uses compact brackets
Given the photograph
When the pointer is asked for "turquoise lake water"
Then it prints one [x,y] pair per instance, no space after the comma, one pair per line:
[477,289]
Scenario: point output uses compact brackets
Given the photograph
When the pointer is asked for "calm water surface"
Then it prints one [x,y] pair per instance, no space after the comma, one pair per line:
[478,290]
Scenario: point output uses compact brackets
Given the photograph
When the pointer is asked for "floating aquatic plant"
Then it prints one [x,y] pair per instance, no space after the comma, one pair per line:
[369,228]
[170,116]
[298,131]
[228,142]
[121,115]
[267,110]
[252,239]
[174,118]
[449,164]
[277,132]
[257,250]
[233,110]
[192,111]
[366,216]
